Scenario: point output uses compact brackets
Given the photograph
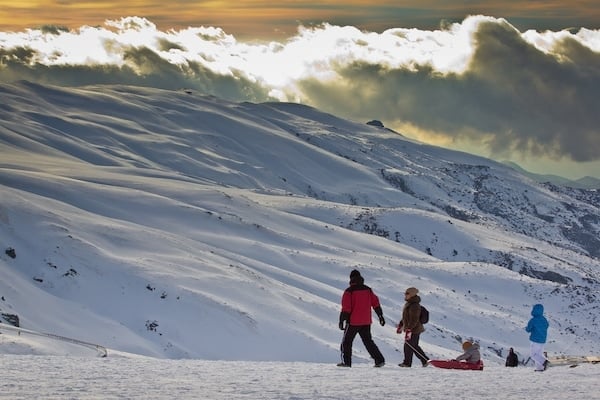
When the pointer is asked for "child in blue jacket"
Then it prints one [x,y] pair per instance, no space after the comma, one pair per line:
[538,331]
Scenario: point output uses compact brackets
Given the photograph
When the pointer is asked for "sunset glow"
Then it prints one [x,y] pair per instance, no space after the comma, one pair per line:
[265,19]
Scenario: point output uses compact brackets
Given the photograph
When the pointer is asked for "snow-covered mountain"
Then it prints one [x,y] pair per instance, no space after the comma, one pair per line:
[587,182]
[177,225]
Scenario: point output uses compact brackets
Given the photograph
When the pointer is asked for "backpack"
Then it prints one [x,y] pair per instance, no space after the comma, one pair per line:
[424,316]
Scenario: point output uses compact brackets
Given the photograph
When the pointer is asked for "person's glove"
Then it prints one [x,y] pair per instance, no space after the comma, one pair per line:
[399,328]
[341,325]
[407,335]
[381,320]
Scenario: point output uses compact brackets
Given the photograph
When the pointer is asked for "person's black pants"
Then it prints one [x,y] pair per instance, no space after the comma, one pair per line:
[365,334]
[412,347]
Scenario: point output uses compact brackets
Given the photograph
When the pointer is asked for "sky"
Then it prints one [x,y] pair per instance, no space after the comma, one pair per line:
[508,80]
[206,245]
[267,19]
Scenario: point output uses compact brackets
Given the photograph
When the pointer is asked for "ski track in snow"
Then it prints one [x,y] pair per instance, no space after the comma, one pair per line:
[59,377]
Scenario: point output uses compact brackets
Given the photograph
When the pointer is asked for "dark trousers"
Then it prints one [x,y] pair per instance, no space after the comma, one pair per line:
[412,347]
[365,334]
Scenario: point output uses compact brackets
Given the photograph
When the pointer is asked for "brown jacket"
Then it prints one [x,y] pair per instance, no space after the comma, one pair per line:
[411,314]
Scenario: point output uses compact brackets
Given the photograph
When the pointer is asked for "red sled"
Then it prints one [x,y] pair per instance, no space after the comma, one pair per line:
[453,364]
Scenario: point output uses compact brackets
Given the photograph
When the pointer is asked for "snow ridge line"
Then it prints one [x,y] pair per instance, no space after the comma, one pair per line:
[102,352]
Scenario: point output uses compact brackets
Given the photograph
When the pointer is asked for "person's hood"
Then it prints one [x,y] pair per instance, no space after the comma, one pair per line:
[414,299]
[537,310]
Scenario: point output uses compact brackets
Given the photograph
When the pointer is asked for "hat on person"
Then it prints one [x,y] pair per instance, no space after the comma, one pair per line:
[355,277]
[466,345]
[412,291]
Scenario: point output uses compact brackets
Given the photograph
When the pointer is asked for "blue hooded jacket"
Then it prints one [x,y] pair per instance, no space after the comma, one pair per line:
[538,325]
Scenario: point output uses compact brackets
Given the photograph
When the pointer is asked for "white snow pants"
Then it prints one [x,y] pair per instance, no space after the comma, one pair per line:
[537,355]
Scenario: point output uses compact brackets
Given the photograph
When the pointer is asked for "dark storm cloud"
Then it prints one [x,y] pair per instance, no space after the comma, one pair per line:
[554,103]
[517,97]
[143,67]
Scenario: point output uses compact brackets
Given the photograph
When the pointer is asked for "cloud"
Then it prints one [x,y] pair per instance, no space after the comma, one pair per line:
[552,95]
[136,54]
[480,82]
[512,97]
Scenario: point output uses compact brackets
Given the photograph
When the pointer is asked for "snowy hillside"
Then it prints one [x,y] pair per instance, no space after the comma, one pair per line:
[175,225]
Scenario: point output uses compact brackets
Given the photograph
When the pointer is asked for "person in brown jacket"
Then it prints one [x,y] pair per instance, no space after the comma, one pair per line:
[412,328]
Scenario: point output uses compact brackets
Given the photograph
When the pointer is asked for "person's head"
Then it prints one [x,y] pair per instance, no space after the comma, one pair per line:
[467,345]
[355,277]
[511,350]
[410,292]
[537,310]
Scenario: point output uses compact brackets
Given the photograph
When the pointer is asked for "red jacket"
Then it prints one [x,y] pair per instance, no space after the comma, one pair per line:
[357,301]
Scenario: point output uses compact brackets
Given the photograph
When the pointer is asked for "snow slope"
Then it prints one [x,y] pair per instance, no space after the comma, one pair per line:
[179,226]
[117,377]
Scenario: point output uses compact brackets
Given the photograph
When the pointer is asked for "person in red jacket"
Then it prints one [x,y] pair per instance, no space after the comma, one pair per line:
[355,318]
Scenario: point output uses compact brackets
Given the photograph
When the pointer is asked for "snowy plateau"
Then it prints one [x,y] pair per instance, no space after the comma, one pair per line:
[206,244]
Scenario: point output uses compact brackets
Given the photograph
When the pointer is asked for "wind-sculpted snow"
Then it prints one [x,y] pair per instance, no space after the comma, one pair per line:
[175,225]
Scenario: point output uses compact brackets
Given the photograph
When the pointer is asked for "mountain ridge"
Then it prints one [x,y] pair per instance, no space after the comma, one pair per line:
[586,182]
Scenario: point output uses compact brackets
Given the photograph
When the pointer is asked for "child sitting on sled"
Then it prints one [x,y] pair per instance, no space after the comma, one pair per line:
[471,353]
